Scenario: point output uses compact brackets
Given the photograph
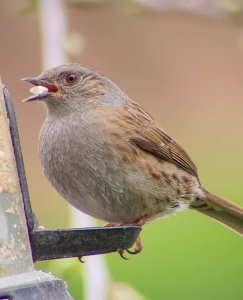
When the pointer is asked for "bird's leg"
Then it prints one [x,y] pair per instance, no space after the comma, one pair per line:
[138,244]
[140,221]
[111,225]
[120,251]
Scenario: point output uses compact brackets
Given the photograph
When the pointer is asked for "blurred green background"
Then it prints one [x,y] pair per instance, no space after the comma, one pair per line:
[186,69]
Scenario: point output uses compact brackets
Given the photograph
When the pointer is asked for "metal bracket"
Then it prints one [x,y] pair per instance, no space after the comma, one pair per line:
[77,242]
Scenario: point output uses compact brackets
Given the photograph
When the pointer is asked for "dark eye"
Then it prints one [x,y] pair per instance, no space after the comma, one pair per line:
[71,78]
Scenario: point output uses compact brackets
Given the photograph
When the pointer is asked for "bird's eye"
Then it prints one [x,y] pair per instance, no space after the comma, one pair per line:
[71,78]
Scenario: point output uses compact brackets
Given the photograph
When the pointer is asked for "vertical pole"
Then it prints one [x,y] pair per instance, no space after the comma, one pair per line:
[15,252]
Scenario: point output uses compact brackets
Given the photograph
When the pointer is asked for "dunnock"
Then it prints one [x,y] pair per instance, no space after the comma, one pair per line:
[110,159]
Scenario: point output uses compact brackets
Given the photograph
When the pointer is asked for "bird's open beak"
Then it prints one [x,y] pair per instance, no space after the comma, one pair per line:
[42,88]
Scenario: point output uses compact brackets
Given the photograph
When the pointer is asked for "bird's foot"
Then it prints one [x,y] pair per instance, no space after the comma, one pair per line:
[138,244]
[138,247]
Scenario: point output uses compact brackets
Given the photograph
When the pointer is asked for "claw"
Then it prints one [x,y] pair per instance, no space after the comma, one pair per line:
[138,244]
[136,251]
[138,247]
[80,258]
[121,253]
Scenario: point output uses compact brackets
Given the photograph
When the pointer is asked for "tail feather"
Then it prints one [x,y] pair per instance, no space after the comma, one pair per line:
[221,210]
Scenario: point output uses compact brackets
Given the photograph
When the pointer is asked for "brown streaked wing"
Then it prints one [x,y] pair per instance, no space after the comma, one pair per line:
[157,142]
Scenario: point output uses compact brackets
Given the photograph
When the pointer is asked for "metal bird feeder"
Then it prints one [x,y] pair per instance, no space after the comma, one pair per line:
[21,240]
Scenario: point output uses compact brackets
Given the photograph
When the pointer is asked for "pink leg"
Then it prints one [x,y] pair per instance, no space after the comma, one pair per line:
[111,225]
[138,244]
[139,222]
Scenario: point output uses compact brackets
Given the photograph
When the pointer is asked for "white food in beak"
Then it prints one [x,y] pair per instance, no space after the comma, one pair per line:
[38,90]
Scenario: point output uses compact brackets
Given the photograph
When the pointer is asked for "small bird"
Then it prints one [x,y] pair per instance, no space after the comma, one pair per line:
[110,159]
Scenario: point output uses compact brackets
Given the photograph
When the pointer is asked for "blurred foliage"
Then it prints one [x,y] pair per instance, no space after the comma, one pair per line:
[232,8]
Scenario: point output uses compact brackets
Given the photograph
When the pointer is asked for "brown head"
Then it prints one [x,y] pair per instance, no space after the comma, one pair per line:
[71,85]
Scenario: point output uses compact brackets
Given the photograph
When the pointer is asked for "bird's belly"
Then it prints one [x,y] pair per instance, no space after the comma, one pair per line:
[90,184]
[98,183]
[100,195]
[106,193]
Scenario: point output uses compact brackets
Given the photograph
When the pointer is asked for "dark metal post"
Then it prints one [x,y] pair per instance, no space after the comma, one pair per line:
[15,252]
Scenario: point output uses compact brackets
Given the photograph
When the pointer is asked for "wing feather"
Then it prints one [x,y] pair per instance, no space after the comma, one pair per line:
[156,141]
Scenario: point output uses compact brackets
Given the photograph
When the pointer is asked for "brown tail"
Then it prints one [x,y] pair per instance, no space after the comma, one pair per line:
[221,210]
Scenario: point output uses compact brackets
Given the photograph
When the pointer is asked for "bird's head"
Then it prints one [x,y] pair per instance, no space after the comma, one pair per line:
[65,84]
